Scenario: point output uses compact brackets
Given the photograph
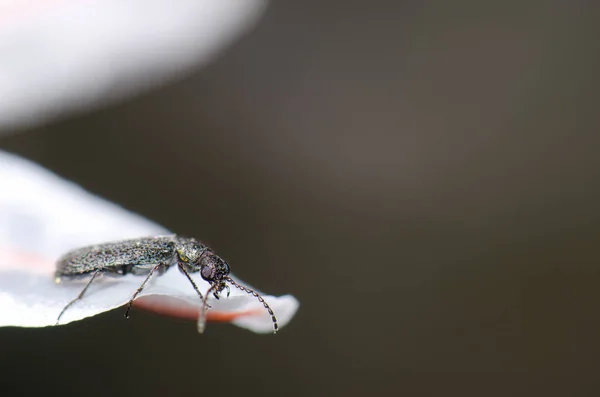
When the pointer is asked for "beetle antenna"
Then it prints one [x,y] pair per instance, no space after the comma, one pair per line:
[202,316]
[260,299]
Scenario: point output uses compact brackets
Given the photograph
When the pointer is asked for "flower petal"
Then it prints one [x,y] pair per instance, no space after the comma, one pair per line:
[67,55]
[42,216]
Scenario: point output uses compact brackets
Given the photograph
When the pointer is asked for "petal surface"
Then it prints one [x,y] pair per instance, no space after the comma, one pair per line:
[61,56]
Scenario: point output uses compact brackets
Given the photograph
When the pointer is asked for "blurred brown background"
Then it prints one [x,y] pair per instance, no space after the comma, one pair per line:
[423,176]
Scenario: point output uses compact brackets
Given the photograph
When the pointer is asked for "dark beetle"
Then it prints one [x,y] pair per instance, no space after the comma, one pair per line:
[149,256]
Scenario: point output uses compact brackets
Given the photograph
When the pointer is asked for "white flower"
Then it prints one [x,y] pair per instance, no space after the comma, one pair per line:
[43,216]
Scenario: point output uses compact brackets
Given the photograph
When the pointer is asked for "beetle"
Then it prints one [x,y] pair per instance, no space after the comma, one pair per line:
[149,256]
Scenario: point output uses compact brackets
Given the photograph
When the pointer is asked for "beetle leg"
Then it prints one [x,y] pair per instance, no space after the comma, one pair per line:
[79,296]
[155,268]
[184,271]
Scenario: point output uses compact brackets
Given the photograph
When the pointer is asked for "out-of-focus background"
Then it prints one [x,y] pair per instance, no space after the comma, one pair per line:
[423,176]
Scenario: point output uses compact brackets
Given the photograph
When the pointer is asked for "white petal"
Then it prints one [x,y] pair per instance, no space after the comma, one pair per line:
[68,55]
[43,216]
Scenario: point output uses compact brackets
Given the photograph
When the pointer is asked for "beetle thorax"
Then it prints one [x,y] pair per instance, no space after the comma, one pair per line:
[190,251]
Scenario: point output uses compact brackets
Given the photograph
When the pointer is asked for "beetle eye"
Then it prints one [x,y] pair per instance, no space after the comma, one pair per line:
[207,272]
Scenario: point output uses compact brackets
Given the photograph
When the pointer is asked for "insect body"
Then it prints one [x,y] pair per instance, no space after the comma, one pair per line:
[150,256]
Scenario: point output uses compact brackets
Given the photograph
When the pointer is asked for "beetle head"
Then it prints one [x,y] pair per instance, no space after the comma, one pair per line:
[212,268]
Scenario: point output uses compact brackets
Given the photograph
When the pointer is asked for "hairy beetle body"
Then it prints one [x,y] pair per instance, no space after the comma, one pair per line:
[149,256]
[137,256]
